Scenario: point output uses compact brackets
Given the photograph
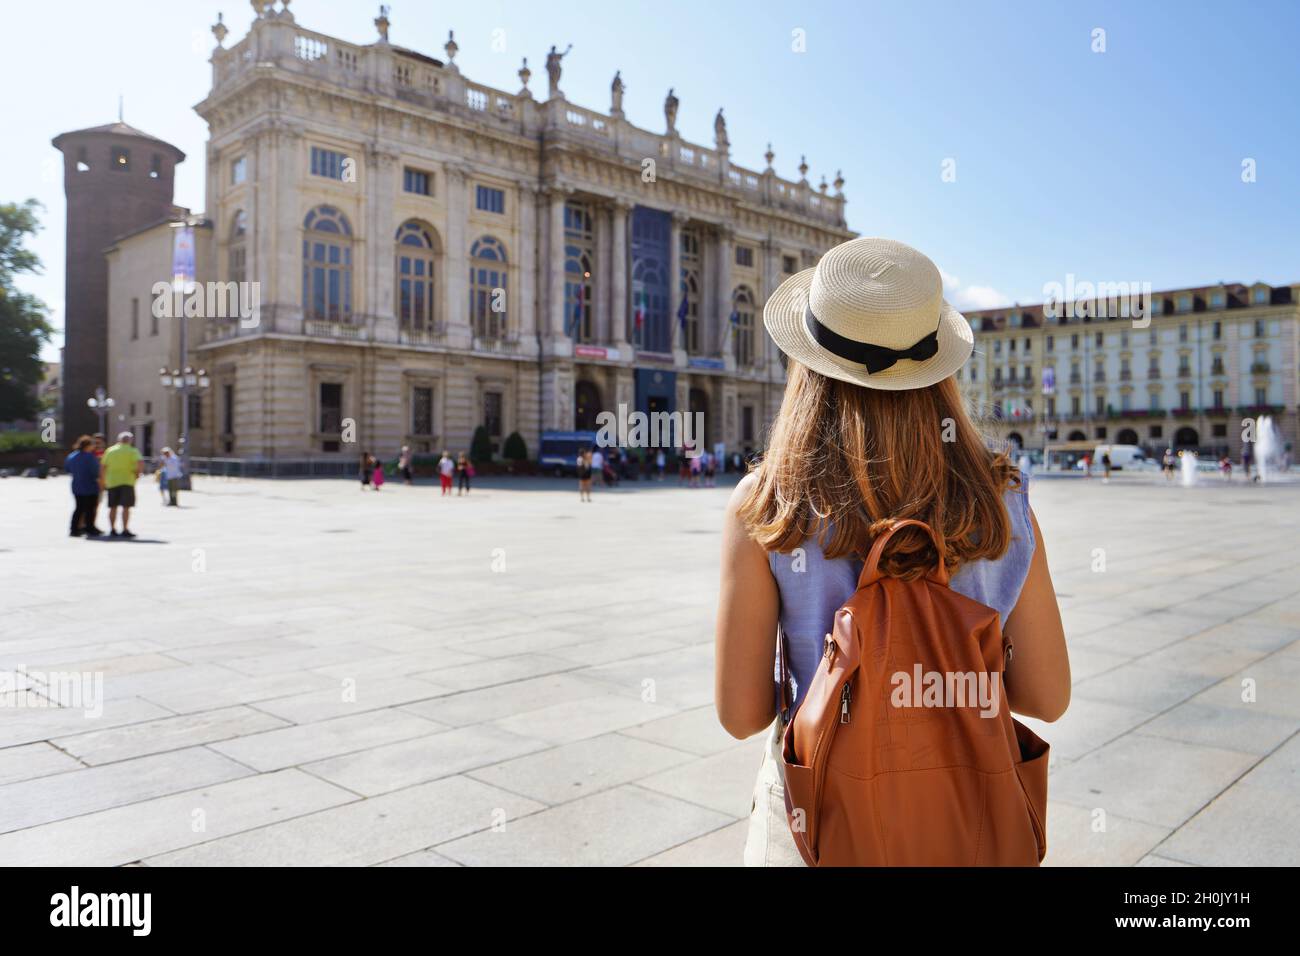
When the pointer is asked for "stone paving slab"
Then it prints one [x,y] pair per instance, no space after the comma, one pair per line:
[379,694]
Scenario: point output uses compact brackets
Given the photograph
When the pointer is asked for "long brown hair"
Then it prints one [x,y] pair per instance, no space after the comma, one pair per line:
[843,458]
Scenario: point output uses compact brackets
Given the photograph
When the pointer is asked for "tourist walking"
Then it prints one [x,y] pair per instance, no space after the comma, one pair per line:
[83,466]
[710,468]
[1168,462]
[799,525]
[597,463]
[660,462]
[584,474]
[1105,466]
[119,469]
[446,468]
[1225,467]
[377,474]
[170,469]
[1247,458]
[404,465]
[464,471]
[365,466]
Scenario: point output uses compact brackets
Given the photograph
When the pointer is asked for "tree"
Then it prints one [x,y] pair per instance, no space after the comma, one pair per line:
[24,329]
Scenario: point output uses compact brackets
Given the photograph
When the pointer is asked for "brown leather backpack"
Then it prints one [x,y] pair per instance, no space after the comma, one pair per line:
[897,756]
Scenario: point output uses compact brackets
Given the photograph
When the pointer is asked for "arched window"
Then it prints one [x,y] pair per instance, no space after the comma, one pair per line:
[417,252]
[579,282]
[487,275]
[238,254]
[691,287]
[327,266]
[742,327]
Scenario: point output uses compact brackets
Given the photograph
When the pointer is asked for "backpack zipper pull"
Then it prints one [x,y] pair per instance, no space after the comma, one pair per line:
[828,649]
[844,704]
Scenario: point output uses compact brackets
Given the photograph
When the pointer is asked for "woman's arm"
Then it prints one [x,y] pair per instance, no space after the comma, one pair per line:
[745,633]
[1038,677]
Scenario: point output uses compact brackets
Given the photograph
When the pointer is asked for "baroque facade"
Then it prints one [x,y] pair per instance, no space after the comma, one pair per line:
[1188,375]
[432,255]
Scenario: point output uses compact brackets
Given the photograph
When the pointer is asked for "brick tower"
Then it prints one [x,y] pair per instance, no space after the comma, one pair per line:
[116,179]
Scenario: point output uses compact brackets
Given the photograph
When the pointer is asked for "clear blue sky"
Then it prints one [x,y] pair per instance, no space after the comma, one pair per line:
[1122,165]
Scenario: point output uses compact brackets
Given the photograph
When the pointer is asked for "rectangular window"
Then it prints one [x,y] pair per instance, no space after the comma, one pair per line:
[1101,339]
[195,410]
[121,158]
[1184,400]
[1182,333]
[331,408]
[1051,407]
[1220,430]
[1261,296]
[789,265]
[490,200]
[1218,331]
[1051,343]
[1157,431]
[1011,345]
[228,409]
[1074,341]
[238,171]
[492,413]
[148,408]
[153,322]
[1218,398]
[1259,329]
[1261,397]
[747,423]
[1075,406]
[327,163]
[135,318]
[417,181]
[422,411]
[1099,405]
[745,256]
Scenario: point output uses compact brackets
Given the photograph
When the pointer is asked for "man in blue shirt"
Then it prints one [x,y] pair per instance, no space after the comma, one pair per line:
[83,466]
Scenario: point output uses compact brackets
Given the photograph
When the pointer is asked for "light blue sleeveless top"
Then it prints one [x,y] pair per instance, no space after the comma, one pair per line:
[811,596]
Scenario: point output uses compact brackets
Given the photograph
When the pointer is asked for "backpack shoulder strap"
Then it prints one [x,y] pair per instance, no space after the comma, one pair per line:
[871,570]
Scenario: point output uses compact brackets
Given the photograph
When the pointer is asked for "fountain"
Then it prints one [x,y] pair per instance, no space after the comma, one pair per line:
[1187,464]
[1268,448]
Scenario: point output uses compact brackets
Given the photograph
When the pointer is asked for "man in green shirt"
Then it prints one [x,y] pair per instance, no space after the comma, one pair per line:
[121,467]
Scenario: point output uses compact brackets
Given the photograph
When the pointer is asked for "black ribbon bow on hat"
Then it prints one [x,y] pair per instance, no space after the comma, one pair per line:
[876,358]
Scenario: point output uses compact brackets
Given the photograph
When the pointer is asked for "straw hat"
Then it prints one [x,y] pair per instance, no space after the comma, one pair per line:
[872,313]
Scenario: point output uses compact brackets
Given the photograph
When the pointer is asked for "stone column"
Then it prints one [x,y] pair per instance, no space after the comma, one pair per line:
[556,343]
[522,304]
[283,230]
[618,272]
[675,288]
[724,244]
[380,190]
[455,302]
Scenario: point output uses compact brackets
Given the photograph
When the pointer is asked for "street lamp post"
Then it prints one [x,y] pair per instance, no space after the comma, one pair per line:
[102,405]
[184,381]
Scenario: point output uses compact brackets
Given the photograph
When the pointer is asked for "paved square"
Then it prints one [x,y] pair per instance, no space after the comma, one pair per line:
[300,672]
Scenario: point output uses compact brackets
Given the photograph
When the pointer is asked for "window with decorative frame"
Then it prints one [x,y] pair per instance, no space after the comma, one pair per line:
[742,323]
[417,263]
[487,288]
[237,256]
[692,270]
[327,266]
[579,272]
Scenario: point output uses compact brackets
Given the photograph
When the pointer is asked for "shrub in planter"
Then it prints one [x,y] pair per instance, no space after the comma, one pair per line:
[480,447]
[515,450]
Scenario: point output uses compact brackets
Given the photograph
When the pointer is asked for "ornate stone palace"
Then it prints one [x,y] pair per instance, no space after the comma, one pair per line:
[433,255]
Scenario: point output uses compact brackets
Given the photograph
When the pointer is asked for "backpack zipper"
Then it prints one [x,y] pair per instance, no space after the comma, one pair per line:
[845,697]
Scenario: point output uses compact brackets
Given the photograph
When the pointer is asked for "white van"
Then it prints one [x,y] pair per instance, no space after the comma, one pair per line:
[1121,456]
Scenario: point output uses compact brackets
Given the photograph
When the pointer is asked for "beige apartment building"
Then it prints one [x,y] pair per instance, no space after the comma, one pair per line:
[432,255]
[1187,376]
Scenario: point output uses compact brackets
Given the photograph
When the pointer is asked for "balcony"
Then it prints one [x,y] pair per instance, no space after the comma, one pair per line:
[433,334]
[508,345]
[1153,374]
[1099,375]
[1184,373]
[329,329]
[1125,375]
[1259,368]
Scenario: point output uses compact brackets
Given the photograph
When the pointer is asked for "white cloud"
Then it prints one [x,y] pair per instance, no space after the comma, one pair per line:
[971,297]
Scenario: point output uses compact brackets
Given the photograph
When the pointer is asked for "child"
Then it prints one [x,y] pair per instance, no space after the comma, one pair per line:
[378,476]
